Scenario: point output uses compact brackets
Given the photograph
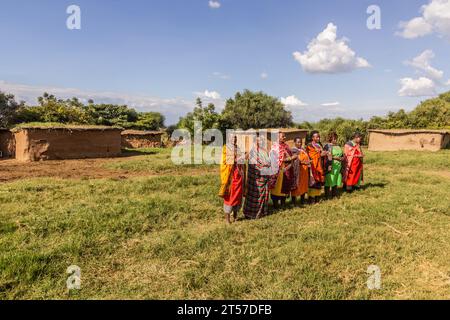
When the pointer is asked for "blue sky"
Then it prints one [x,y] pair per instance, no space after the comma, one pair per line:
[159,55]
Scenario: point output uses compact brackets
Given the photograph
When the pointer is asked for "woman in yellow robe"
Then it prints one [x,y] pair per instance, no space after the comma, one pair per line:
[232,177]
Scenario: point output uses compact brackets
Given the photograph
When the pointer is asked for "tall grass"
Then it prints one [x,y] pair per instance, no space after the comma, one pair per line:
[164,237]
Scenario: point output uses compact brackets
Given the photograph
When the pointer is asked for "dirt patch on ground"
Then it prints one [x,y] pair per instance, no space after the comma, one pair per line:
[11,170]
[443,173]
[70,169]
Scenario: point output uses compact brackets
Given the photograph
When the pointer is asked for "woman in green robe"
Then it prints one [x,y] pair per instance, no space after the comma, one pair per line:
[333,166]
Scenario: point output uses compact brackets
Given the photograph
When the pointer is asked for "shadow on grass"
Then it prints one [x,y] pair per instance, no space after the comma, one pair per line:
[373,185]
[138,152]
[289,205]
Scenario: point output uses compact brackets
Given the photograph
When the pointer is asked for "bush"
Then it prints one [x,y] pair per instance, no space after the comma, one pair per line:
[8,110]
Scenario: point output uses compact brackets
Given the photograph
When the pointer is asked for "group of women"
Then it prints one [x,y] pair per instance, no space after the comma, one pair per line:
[300,172]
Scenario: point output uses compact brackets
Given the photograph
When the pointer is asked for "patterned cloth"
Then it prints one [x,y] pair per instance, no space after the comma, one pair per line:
[282,181]
[257,197]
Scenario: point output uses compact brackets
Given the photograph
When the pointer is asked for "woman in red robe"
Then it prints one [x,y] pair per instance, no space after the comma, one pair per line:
[353,175]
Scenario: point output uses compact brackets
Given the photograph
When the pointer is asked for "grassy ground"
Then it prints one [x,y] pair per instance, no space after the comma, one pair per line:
[164,236]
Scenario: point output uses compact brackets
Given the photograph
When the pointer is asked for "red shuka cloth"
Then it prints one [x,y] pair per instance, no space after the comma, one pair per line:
[355,165]
[234,198]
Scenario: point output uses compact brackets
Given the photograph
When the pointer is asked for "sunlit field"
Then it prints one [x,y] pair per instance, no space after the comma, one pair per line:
[158,232]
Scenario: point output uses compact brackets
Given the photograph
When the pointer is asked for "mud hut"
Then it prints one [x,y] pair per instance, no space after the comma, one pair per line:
[136,139]
[58,143]
[7,144]
[246,138]
[395,140]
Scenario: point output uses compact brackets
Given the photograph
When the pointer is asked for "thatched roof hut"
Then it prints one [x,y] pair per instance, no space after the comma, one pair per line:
[35,143]
[395,140]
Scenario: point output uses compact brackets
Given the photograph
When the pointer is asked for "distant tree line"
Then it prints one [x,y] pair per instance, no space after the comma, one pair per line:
[73,111]
[430,114]
[246,110]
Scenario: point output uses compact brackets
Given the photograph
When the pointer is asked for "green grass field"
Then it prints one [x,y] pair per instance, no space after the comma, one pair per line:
[164,236]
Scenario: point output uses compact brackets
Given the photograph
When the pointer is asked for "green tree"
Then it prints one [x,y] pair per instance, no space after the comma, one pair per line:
[208,116]
[111,115]
[255,110]
[8,110]
[149,121]
[432,113]
[51,109]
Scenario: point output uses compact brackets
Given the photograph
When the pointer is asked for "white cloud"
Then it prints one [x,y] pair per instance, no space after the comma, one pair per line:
[417,87]
[213,95]
[330,104]
[422,63]
[327,54]
[414,28]
[214,4]
[171,108]
[264,76]
[429,81]
[221,75]
[448,83]
[292,101]
[435,18]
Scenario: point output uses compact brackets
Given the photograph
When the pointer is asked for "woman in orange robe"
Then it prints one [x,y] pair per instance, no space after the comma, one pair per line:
[304,163]
[316,154]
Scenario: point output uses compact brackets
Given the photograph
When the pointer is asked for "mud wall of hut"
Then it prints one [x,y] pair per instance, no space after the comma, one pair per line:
[58,144]
[380,141]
